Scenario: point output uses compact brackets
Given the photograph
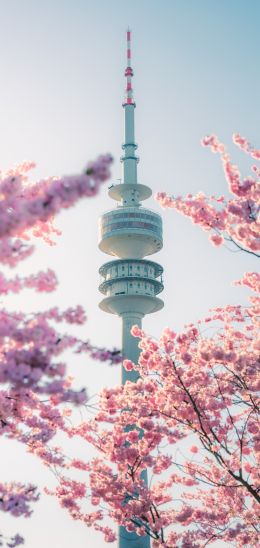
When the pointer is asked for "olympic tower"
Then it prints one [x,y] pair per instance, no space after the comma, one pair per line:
[130,284]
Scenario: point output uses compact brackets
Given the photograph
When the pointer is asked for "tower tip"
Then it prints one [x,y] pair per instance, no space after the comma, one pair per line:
[129,71]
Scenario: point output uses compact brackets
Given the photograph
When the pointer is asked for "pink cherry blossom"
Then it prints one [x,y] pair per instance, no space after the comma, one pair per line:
[244,144]
[234,219]
[251,280]
[216,239]
[15,498]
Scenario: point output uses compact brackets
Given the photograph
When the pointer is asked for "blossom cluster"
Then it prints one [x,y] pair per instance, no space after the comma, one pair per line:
[15,498]
[23,205]
[42,282]
[28,209]
[12,542]
[234,219]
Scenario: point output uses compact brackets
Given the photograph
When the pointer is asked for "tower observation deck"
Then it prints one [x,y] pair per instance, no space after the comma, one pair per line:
[130,284]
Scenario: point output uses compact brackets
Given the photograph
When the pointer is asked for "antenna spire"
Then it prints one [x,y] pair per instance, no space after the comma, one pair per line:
[129,72]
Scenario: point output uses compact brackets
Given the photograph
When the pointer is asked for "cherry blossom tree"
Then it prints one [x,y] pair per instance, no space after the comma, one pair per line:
[233,219]
[30,344]
[192,417]
[196,414]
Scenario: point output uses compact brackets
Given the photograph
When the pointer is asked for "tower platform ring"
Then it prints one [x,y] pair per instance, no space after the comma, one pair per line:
[139,304]
[117,191]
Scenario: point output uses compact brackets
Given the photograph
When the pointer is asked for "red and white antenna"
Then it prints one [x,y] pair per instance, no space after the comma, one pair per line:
[129,72]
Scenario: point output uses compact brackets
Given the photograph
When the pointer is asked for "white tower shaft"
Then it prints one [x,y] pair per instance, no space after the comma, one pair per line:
[130,347]
[130,283]
[131,351]
[129,159]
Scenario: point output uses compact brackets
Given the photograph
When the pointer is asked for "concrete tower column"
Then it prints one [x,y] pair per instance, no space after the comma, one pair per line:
[129,159]
[130,283]
[131,350]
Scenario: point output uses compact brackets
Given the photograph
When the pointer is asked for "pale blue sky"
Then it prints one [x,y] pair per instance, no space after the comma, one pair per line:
[196,72]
